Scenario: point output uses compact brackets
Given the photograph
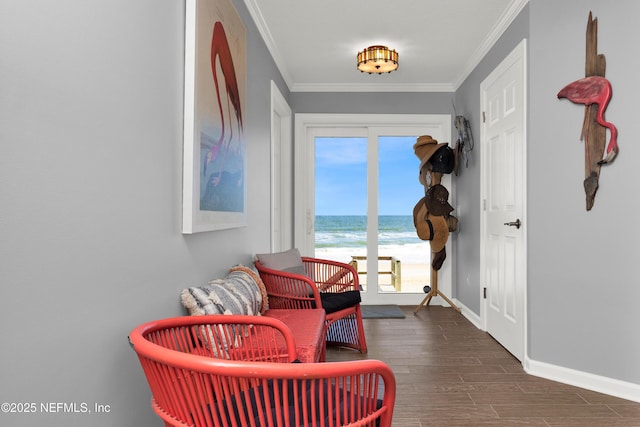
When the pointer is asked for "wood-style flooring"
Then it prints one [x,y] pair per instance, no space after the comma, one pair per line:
[449,373]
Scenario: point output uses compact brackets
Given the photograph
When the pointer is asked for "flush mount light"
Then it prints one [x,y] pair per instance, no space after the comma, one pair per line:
[377,59]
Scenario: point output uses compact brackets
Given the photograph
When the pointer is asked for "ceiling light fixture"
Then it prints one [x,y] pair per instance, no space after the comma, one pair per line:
[377,59]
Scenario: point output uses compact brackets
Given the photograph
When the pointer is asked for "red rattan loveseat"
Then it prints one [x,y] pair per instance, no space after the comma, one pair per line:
[308,283]
[220,370]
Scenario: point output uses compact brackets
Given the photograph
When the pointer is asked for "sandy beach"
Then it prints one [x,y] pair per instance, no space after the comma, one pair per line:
[412,259]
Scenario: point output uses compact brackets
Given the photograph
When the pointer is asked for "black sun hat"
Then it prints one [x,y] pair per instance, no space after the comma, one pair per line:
[436,198]
[443,160]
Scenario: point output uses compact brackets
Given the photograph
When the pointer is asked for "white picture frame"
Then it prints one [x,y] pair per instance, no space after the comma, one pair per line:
[214,154]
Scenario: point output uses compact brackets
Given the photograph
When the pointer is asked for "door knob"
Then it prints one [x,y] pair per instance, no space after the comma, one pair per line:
[515,223]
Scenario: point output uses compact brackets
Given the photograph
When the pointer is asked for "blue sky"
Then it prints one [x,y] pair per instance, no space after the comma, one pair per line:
[341,176]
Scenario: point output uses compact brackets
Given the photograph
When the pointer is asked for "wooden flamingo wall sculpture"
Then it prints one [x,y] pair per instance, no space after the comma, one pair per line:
[594,90]
[220,50]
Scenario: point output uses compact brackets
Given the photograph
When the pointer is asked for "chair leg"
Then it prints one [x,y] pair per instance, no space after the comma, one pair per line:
[347,330]
[361,337]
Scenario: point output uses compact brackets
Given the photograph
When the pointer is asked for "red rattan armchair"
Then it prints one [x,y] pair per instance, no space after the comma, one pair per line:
[328,284]
[203,371]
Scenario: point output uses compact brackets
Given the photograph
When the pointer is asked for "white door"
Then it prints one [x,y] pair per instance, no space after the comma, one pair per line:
[503,99]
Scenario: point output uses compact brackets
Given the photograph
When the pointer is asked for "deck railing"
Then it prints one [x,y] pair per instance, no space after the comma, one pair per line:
[394,269]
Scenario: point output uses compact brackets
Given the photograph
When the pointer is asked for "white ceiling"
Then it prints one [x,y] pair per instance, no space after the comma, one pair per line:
[439,42]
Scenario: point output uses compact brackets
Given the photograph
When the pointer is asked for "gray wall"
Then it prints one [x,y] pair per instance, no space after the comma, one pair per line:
[371,103]
[584,273]
[90,211]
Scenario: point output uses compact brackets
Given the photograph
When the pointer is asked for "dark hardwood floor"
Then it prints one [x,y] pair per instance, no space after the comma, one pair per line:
[449,373]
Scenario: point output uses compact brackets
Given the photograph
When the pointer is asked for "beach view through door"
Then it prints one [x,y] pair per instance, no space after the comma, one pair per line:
[356,182]
[344,179]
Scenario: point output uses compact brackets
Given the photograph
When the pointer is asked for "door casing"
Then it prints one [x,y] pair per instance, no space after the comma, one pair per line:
[281,171]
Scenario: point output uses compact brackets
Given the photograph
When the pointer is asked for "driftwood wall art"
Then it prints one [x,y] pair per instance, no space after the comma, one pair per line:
[594,92]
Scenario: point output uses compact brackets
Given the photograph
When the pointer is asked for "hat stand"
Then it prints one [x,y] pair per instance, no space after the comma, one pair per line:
[434,292]
[436,178]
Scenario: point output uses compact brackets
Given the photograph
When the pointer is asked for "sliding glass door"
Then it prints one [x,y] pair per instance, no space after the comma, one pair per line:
[356,187]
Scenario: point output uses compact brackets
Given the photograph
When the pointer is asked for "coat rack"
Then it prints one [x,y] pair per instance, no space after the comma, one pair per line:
[436,179]
[432,214]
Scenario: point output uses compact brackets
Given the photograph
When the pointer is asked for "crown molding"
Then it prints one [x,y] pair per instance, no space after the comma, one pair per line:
[494,35]
[261,24]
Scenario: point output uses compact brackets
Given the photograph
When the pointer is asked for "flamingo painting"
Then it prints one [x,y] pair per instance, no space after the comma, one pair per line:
[221,54]
[594,90]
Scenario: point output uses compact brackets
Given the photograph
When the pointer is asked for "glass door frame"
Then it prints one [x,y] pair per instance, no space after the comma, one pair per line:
[310,126]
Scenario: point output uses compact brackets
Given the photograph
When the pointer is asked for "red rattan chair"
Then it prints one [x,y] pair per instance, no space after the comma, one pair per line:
[329,282]
[202,371]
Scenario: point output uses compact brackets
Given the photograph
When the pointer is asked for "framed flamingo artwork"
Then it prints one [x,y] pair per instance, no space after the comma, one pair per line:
[214,189]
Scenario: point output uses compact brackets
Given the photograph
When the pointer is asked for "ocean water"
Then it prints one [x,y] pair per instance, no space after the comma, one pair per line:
[351,231]
[339,236]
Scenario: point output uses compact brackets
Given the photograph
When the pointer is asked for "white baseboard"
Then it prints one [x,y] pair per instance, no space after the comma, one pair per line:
[470,315]
[597,383]
[600,384]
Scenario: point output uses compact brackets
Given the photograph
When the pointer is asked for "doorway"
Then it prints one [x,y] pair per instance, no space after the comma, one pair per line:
[503,186]
[365,139]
